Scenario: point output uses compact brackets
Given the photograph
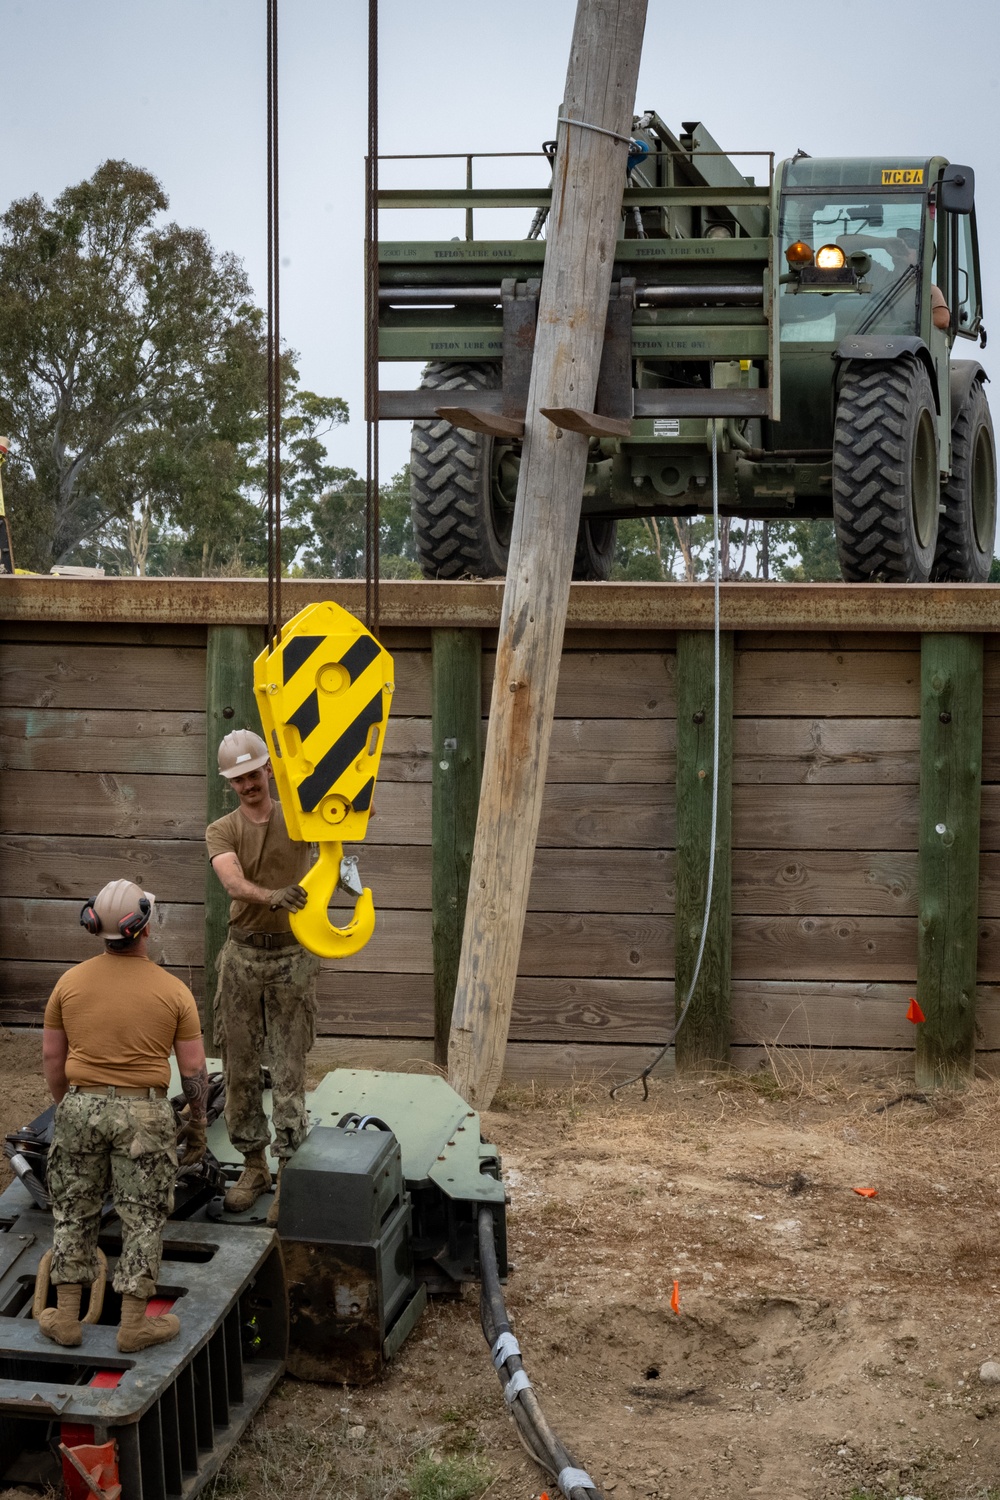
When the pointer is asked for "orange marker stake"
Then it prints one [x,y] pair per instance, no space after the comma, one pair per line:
[865,1192]
[914,1013]
[675,1297]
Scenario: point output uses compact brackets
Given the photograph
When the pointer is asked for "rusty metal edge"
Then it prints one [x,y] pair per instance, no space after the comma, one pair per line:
[477,603]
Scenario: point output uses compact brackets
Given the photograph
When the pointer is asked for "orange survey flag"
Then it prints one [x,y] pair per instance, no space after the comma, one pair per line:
[914,1013]
[675,1297]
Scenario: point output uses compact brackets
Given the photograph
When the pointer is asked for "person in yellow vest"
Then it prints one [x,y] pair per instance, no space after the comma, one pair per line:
[110,1026]
[265,1005]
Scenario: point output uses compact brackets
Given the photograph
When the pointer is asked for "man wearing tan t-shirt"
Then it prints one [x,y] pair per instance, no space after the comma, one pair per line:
[110,1026]
[265,1004]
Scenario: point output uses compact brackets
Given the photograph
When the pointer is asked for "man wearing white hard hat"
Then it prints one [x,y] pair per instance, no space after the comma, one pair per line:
[110,1026]
[265,1003]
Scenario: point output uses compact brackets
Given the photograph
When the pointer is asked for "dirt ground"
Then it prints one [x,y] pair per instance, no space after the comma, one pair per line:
[828,1346]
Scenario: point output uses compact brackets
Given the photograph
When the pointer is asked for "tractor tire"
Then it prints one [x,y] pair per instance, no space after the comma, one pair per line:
[461,519]
[595,550]
[462,490]
[969,497]
[885,473]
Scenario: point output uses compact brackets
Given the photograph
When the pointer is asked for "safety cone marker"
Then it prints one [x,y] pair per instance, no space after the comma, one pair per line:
[914,1013]
[865,1192]
[675,1297]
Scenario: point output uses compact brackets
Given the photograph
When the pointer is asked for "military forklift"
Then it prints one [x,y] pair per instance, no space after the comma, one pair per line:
[795,325]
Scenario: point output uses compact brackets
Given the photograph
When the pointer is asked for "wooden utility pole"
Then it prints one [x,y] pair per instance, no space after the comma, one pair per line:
[582,229]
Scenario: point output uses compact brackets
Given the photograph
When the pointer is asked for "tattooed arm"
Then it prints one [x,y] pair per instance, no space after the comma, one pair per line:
[194,1075]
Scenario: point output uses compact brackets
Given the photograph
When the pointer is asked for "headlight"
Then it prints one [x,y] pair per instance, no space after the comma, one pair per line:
[830,258]
[799,254]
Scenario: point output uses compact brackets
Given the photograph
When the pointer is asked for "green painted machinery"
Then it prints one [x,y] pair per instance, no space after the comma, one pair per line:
[796,318]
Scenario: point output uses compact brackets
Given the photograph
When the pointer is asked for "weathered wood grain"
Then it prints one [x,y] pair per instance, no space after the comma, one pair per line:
[607,685]
[102,633]
[951,749]
[836,641]
[989,813]
[809,1013]
[51,929]
[703,928]
[61,675]
[53,739]
[813,947]
[582,751]
[834,684]
[825,817]
[121,805]
[74,868]
[827,751]
[828,882]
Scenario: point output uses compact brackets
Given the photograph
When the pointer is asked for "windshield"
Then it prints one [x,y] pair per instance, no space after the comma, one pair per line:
[889,229]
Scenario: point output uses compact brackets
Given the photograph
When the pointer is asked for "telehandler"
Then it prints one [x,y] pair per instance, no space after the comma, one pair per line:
[797,321]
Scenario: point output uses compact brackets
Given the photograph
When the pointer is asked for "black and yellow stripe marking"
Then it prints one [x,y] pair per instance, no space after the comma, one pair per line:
[341,753]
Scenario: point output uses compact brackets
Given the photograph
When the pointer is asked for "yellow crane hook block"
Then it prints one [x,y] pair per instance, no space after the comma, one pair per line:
[323,694]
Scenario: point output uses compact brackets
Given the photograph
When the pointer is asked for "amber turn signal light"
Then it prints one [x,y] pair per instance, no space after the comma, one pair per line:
[799,254]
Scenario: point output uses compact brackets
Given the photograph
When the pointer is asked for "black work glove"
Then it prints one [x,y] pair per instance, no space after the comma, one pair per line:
[289,898]
[192,1143]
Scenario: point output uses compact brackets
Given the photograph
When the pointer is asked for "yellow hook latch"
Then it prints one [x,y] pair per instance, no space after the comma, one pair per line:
[323,694]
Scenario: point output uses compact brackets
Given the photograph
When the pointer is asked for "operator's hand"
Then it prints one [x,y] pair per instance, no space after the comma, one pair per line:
[289,898]
[192,1143]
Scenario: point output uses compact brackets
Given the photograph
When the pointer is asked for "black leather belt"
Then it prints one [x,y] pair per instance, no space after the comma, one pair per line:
[262,939]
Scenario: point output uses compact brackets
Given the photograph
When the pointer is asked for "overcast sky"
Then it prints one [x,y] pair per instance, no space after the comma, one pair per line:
[178,87]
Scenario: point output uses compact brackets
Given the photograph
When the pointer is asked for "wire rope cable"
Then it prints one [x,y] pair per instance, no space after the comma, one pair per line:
[273,338]
[372,516]
[643,1077]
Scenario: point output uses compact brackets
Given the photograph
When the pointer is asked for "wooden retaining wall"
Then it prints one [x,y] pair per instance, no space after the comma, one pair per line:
[103,756]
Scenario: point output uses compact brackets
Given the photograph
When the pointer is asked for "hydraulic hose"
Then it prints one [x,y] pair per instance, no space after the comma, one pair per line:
[534,1431]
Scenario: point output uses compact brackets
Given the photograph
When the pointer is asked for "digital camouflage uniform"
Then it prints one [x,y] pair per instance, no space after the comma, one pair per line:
[265,1013]
[121,1145]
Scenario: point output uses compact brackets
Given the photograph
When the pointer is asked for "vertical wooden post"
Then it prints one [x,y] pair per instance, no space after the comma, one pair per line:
[951,757]
[456,738]
[583,227]
[229,705]
[703,1040]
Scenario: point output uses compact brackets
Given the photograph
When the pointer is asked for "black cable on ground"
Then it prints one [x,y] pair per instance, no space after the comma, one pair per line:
[533,1430]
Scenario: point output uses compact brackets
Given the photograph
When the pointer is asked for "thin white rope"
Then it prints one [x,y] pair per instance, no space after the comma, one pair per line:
[715,727]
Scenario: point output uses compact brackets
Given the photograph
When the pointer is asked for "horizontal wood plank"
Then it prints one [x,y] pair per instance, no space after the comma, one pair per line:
[826,751]
[825,817]
[827,640]
[54,739]
[120,805]
[87,676]
[834,684]
[103,633]
[817,947]
[581,750]
[815,882]
[608,685]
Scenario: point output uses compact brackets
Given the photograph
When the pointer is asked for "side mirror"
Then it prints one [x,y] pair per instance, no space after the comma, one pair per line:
[957,189]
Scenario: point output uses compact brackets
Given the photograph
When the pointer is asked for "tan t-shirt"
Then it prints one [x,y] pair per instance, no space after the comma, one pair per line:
[267,856]
[121,1015]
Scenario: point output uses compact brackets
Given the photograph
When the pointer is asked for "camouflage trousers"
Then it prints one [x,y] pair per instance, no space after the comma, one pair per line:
[265,1014]
[126,1145]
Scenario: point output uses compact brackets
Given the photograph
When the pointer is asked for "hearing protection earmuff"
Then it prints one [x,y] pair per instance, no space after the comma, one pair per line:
[129,926]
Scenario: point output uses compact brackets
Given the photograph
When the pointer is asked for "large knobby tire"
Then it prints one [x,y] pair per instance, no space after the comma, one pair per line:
[969,497]
[463,486]
[462,517]
[885,473]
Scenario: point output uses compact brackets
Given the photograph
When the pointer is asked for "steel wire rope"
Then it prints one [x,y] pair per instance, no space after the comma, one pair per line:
[372,517]
[274,611]
[643,1077]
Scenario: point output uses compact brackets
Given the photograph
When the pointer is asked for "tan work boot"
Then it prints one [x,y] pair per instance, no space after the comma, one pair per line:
[272,1213]
[62,1323]
[139,1332]
[253,1180]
